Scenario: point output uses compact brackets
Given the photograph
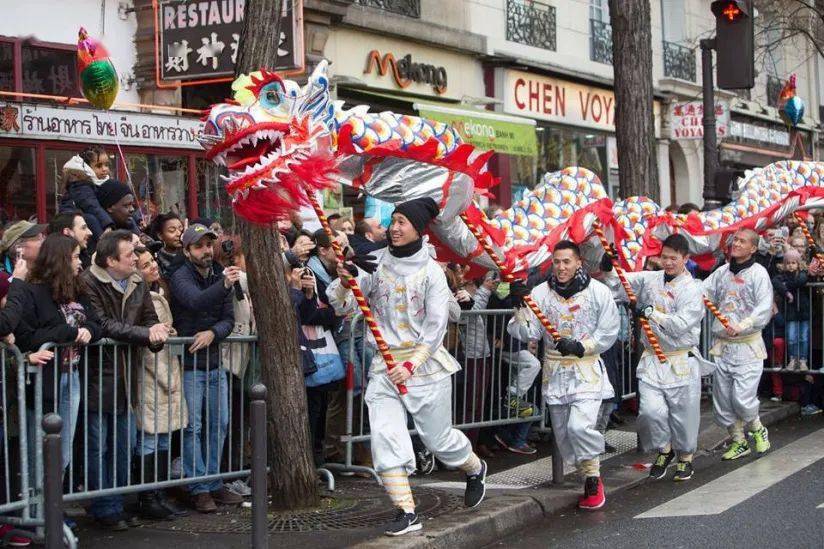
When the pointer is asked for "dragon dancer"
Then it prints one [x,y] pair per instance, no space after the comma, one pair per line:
[670,392]
[575,380]
[408,292]
[743,293]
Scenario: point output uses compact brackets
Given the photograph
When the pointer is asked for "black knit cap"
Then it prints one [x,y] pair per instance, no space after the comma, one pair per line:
[110,193]
[419,211]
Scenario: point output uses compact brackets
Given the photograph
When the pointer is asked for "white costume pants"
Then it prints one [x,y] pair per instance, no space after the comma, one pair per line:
[573,425]
[526,366]
[735,391]
[431,409]
[670,416]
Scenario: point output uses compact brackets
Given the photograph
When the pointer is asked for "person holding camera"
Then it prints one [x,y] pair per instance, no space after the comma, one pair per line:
[202,308]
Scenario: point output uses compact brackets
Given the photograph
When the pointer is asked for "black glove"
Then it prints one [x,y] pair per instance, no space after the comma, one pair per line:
[366,262]
[518,290]
[642,310]
[568,346]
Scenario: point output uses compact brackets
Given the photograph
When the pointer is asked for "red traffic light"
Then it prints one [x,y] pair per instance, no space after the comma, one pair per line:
[730,11]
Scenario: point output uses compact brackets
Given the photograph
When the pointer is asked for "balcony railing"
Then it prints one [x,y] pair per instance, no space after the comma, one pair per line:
[774,85]
[409,8]
[530,23]
[600,42]
[679,62]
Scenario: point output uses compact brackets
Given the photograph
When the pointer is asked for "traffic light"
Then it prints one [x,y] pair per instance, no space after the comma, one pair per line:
[734,43]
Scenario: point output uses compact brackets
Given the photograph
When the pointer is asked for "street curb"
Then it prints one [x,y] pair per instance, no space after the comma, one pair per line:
[503,515]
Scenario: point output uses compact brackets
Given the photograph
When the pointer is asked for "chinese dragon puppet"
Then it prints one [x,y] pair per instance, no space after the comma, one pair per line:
[282,142]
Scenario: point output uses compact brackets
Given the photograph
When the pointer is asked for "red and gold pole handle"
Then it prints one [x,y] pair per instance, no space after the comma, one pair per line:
[507,277]
[651,337]
[363,305]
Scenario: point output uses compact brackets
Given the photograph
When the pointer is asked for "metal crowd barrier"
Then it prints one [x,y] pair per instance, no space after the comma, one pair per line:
[122,439]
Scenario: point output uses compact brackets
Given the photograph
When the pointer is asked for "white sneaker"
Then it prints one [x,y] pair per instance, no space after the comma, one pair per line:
[802,365]
[792,364]
[240,488]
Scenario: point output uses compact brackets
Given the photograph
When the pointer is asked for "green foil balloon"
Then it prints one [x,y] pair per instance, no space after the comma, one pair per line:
[100,84]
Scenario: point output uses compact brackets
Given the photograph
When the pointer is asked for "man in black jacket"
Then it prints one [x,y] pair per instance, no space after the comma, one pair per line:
[202,308]
[121,300]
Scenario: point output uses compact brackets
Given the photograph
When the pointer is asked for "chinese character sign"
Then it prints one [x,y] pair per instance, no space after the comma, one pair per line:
[199,39]
[686,120]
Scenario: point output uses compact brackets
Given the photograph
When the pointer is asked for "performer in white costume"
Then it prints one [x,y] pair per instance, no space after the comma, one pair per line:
[743,293]
[670,392]
[575,381]
[408,295]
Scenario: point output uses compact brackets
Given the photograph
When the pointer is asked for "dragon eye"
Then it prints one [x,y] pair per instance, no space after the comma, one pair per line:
[271,95]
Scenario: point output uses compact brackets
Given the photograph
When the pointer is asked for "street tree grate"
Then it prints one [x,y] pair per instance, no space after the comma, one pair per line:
[353,505]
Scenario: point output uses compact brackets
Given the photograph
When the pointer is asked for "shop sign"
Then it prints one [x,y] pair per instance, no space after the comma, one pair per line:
[763,134]
[505,135]
[199,39]
[686,120]
[554,100]
[405,71]
[105,127]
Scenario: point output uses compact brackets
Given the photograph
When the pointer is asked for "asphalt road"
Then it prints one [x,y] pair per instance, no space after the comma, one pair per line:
[773,501]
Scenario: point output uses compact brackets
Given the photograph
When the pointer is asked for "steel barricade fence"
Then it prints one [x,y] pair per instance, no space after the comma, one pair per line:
[499,384]
[130,420]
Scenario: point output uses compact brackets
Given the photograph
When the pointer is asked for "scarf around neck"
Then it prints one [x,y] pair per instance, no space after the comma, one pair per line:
[407,250]
[576,284]
[736,267]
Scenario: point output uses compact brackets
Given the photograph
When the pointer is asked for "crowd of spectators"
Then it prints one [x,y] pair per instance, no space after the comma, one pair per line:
[154,411]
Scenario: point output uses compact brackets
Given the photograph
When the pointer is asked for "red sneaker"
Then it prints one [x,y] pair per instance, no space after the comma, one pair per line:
[14,541]
[593,497]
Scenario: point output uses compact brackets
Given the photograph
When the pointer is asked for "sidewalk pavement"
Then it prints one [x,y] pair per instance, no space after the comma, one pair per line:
[519,492]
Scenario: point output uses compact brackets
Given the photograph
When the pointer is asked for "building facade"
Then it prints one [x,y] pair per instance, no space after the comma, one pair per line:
[532,80]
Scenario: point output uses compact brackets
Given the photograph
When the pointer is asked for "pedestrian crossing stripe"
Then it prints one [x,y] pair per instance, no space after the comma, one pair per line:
[725,492]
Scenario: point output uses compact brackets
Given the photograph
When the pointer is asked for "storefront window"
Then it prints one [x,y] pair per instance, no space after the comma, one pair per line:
[55,159]
[212,200]
[160,182]
[49,71]
[6,66]
[17,184]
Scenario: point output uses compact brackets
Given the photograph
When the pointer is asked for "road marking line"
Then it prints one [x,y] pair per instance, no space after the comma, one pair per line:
[725,492]
[820,506]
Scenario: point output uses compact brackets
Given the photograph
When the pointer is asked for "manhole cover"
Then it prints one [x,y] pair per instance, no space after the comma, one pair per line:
[352,506]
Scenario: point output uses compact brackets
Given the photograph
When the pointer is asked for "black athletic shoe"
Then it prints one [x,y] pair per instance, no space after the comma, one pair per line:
[659,468]
[475,487]
[403,524]
[683,471]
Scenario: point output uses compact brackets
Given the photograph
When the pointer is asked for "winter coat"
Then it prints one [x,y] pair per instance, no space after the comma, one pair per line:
[126,317]
[82,195]
[235,356]
[199,304]
[795,284]
[169,263]
[41,322]
[159,405]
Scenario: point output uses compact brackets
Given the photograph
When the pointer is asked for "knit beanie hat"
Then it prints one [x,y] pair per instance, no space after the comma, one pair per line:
[110,193]
[791,255]
[419,211]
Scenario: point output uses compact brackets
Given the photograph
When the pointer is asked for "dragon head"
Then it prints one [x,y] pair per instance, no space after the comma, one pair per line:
[275,138]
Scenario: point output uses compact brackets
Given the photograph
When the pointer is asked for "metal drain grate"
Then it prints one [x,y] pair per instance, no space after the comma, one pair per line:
[352,506]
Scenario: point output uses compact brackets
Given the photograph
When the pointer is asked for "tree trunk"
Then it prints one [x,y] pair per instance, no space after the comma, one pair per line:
[634,120]
[292,476]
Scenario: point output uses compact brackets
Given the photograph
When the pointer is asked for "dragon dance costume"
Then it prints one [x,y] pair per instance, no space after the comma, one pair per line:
[574,387]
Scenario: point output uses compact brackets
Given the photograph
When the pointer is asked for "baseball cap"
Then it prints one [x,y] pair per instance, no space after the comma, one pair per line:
[194,233]
[18,230]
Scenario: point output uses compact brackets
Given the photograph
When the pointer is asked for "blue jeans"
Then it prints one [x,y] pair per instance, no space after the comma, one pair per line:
[149,443]
[798,338]
[514,435]
[108,459]
[206,392]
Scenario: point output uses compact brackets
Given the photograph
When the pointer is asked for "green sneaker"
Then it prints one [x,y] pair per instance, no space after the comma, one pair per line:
[521,407]
[683,471]
[762,441]
[738,448]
